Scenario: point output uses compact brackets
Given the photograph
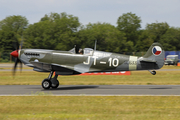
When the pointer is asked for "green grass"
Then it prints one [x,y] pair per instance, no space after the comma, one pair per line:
[45,106]
[136,78]
[90,108]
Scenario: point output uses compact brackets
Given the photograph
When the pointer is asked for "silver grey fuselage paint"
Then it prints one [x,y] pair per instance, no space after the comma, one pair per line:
[67,62]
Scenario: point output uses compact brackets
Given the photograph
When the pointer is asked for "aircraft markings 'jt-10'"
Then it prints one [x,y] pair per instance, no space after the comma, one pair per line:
[72,63]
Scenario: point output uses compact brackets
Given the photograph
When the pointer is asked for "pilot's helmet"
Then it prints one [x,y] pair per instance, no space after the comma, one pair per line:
[81,51]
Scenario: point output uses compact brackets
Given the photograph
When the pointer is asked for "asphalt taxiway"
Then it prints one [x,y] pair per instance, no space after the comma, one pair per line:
[154,90]
[93,90]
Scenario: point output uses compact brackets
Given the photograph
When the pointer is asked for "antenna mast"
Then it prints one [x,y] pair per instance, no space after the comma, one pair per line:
[95,45]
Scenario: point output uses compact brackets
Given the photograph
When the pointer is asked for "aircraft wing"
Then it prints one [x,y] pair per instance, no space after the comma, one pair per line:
[64,69]
[59,69]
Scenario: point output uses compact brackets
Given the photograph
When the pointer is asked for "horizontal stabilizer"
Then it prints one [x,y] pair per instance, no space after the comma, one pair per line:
[147,60]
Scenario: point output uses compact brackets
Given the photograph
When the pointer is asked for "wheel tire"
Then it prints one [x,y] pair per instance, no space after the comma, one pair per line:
[154,72]
[55,85]
[46,84]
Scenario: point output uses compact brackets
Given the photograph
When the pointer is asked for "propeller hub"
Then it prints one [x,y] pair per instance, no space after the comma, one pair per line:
[14,53]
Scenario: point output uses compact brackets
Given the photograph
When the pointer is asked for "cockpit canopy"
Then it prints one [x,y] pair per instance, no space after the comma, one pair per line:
[86,51]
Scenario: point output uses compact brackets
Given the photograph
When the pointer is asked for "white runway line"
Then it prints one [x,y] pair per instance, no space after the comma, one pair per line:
[97,95]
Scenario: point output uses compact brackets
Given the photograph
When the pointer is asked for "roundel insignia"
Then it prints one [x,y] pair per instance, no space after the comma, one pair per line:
[156,50]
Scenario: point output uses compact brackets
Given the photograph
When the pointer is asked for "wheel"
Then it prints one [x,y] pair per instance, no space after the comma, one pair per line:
[55,85]
[46,84]
[153,72]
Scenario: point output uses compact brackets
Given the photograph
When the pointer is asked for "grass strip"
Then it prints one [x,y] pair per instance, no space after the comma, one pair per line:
[136,78]
[90,108]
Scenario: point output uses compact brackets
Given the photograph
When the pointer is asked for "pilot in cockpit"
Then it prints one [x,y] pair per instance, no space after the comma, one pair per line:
[81,51]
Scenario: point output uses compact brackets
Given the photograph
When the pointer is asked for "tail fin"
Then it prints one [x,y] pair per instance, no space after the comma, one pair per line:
[155,54]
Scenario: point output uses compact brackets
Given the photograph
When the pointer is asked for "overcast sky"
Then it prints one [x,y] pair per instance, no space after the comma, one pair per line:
[93,11]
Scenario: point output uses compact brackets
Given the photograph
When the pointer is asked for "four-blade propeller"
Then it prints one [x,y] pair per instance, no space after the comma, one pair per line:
[15,54]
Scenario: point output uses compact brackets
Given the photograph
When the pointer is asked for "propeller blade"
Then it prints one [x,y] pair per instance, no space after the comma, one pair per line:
[16,45]
[20,65]
[20,46]
[15,54]
[15,66]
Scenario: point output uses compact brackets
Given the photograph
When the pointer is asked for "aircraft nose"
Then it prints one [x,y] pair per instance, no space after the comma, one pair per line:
[15,53]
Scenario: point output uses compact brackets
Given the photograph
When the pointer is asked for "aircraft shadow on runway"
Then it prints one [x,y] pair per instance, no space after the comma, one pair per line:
[91,87]
[72,88]
[162,88]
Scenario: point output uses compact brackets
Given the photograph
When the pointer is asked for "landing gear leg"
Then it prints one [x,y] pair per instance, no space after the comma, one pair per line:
[50,82]
[152,72]
[46,83]
[55,82]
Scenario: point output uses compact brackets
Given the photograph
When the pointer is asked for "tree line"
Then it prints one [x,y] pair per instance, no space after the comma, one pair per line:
[62,31]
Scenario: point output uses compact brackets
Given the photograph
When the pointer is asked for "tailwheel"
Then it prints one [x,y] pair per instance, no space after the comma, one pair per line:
[152,72]
[46,84]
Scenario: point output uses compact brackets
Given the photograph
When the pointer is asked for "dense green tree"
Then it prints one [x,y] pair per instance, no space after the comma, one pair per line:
[54,31]
[171,39]
[156,30]
[144,41]
[6,41]
[39,36]
[107,36]
[11,30]
[14,23]
[63,31]
[129,23]
[151,34]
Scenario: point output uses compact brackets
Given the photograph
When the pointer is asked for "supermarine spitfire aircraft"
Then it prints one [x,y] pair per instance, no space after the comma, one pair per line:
[92,60]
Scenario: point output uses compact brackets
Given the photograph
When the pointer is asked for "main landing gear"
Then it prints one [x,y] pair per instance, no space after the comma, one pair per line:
[152,72]
[50,82]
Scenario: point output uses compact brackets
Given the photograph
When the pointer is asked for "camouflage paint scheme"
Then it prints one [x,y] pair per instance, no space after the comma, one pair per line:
[70,63]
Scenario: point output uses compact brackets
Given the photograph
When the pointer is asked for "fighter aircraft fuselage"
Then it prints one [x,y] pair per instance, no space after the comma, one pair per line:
[68,63]
[72,63]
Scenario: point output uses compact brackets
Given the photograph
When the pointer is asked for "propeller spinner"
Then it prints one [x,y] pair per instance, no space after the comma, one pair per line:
[15,53]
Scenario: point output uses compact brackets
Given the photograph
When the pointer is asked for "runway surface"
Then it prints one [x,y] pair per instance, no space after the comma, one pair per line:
[164,90]
[9,67]
[102,90]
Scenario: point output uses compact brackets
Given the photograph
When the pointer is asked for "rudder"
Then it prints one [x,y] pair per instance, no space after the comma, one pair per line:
[155,54]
